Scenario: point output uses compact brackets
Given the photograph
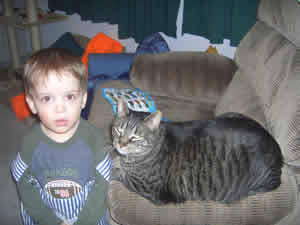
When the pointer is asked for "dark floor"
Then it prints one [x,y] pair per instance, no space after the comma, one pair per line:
[10,85]
[11,130]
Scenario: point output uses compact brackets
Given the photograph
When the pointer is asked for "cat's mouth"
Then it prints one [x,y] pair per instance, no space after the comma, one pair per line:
[122,152]
[128,152]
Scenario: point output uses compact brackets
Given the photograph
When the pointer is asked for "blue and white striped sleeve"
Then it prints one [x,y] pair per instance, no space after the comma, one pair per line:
[18,167]
[104,167]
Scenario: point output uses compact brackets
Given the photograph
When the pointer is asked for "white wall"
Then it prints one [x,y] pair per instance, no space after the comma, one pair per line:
[51,32]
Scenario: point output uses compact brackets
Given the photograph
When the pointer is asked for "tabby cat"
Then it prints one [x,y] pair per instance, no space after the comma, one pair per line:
[224,159]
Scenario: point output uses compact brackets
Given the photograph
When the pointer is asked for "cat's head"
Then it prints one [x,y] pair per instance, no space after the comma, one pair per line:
[134,133]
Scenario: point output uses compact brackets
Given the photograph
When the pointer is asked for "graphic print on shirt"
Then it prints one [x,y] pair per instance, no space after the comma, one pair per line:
[62,188]
[63,172]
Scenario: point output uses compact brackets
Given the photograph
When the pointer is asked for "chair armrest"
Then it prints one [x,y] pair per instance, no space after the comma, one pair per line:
[193,76]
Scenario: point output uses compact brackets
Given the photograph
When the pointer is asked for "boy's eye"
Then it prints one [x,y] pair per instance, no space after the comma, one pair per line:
[71,97]
[45,99]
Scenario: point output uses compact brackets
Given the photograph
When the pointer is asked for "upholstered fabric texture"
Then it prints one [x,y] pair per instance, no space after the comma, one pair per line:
[265,86]
[244,94]
[262,82]
[128,208]
[192,76]
[283,17]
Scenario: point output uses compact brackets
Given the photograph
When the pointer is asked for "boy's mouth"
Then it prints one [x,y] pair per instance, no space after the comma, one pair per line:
[61,122]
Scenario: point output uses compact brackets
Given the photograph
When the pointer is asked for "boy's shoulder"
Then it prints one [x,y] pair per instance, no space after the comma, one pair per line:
[92,133]
[34,133]
[30,141]
[88,129]
[87,125]
[94,138]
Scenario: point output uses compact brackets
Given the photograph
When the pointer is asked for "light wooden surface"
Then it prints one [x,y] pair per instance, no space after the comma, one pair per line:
[32,23]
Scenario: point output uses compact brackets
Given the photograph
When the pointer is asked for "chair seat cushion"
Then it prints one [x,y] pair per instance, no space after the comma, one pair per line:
[267,208]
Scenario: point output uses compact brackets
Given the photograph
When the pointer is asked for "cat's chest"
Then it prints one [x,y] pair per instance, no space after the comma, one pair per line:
[140,168]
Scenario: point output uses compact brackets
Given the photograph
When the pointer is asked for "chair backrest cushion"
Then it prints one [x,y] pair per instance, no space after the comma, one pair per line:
[266,85]
[283,16]
[193,76]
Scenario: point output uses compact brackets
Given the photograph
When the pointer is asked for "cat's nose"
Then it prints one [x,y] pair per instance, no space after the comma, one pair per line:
[122,143]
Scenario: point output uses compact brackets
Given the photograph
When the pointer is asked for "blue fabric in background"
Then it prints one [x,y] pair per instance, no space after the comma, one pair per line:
[117,66]
[152,44]
[102,67]
[66,41]
[110,64]
[93,84]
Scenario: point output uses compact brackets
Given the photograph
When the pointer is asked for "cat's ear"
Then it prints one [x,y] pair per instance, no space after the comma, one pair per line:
[122,108]
[153,120]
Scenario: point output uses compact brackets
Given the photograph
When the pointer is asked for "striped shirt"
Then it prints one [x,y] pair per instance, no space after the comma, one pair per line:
[67,208]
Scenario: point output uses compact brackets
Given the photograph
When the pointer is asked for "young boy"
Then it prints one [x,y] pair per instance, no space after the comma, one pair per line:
[62,169]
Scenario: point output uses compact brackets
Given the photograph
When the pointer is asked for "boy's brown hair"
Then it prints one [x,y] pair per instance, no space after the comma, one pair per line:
[57,60]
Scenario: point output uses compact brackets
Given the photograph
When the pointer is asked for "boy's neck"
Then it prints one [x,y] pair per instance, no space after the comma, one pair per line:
[63,137]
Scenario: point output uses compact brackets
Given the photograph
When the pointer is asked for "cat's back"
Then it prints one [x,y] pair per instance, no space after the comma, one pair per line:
[230,132]
[232,155]
[242,130]
[234,126]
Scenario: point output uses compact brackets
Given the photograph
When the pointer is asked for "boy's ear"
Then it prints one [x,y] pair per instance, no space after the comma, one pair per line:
[84,99]
[31,104]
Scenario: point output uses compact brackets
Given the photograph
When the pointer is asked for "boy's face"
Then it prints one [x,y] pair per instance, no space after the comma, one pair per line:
[58,101]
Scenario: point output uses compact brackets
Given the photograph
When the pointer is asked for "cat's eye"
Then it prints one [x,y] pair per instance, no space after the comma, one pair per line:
[118,131]
[135,138]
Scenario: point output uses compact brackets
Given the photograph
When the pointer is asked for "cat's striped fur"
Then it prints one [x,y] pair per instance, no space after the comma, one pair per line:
[224,159]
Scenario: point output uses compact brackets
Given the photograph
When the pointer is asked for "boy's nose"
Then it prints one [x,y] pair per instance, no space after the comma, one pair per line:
[60,107]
